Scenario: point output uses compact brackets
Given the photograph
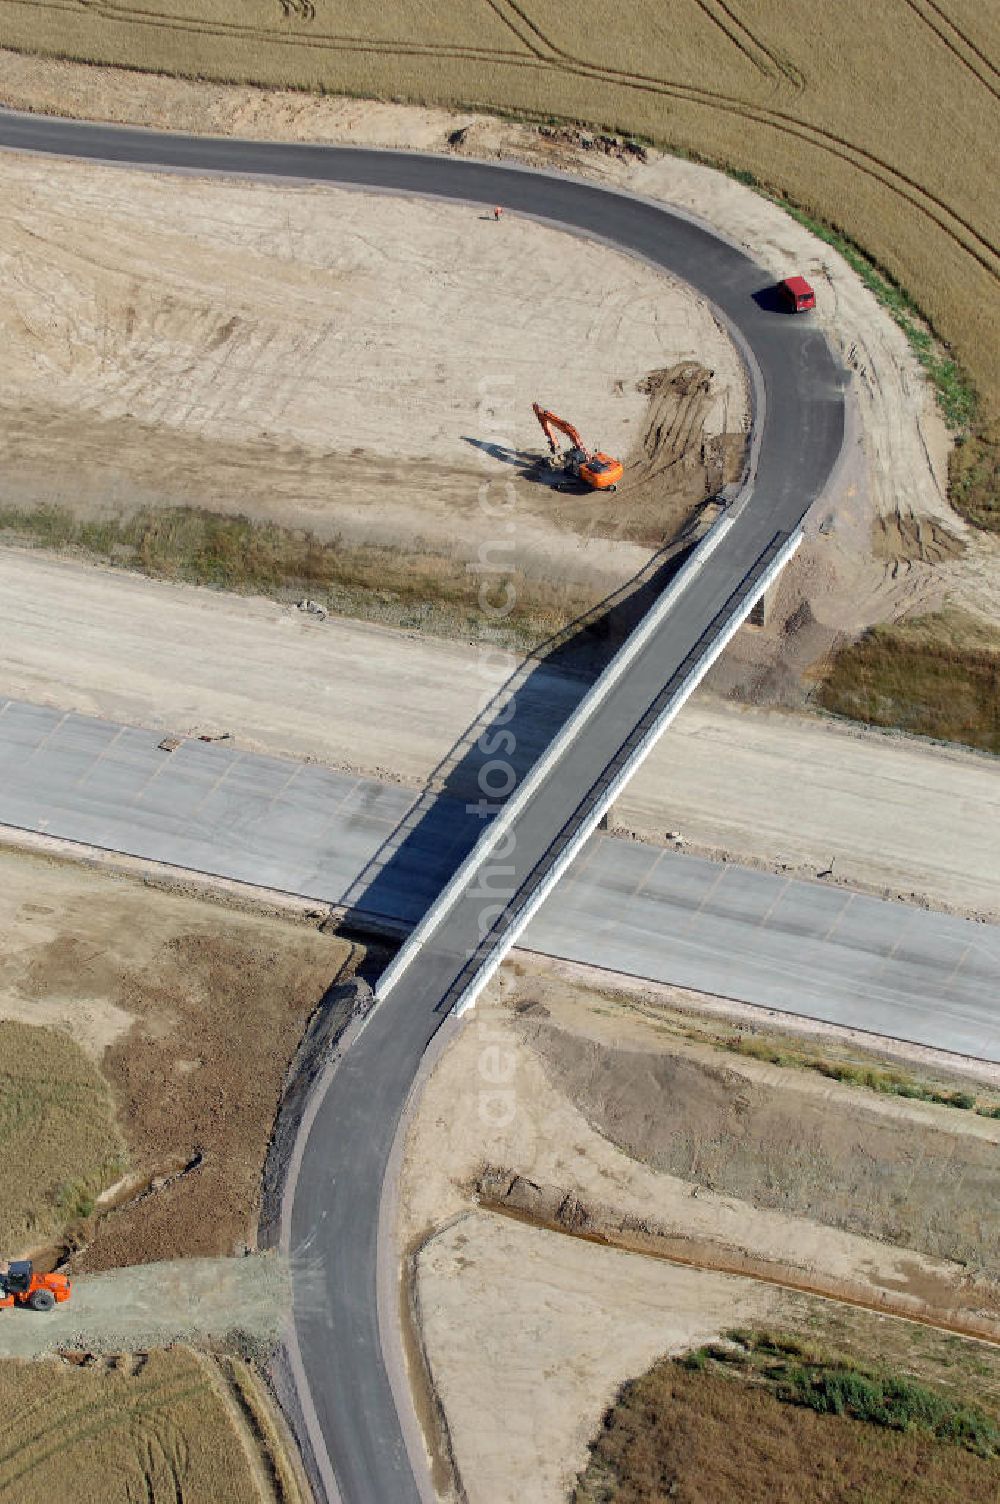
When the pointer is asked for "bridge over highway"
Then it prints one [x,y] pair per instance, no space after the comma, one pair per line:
[349,1406]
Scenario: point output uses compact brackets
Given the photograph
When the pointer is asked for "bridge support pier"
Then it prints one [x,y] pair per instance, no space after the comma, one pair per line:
[761,613]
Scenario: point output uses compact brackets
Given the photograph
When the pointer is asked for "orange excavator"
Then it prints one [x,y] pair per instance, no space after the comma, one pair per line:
[598,471]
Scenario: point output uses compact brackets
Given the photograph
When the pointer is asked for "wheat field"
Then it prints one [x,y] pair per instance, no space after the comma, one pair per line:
[173,1427]
[881,120]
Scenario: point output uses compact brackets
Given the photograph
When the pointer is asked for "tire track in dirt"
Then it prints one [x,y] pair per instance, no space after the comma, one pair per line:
[679,402]
[164,21]
[775,65]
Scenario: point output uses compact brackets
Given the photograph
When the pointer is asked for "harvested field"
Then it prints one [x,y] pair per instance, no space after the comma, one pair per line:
[753,88]
[192,1014]
[157,1426]
[60,1143]
[707,1430]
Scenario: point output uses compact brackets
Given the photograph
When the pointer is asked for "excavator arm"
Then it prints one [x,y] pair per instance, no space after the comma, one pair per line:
[599,471]
[549,421]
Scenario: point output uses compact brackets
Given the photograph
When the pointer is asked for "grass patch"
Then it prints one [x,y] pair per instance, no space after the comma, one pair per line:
[974,477]
[796,1374]
[906,677]
[762,1419]
[121,1429]
[888,1080]
[837,1060]
[953,388]
[59,1139]
[404,588]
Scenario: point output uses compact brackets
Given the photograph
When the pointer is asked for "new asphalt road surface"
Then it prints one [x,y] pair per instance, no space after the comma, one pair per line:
[799,420]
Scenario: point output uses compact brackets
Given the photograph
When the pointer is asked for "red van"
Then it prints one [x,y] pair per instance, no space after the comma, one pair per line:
[796,295]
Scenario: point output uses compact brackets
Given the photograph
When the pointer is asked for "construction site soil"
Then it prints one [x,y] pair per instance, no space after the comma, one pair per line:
[650,1186]
[353,368]
[192,1013]
[889,544]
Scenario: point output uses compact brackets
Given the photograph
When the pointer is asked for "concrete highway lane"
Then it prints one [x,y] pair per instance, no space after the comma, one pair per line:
[799,408]
[811,948]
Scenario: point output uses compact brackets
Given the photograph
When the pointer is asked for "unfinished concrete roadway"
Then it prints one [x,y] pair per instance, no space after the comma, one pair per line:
[348,1399]
[806,947]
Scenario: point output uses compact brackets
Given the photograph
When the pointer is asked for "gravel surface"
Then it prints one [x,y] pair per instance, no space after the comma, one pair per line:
[151,1305]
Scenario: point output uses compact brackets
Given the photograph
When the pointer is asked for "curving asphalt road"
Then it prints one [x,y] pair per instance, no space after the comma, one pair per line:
[800,419]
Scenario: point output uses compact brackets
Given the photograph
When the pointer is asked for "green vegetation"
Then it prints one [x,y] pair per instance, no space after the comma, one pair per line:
[974,477]
[920,678]
[836,1059]
[411,589]
[796,1374]
[888,1080]
[765,1419]
[59,1140]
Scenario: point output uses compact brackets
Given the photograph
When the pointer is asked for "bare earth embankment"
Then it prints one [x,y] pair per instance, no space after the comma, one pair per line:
[897,816]
[586,1189]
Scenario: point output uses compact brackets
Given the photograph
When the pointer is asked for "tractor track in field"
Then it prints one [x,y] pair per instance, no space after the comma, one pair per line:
[941,25]
[63,1430]
[543,54]
[874,166]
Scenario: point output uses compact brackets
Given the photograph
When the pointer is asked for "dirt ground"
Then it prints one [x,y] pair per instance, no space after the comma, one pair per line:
[529,1335]
[885,544]
[354,365]
[881,1171]
[898,816]
[193,1014]
[159,1426]
[502,1304]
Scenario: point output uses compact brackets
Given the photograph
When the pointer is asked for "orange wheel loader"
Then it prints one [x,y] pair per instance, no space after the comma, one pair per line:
[21,1286]
[598,471]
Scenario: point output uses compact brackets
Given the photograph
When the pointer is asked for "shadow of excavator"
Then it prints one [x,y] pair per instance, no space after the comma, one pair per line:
[531,465]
